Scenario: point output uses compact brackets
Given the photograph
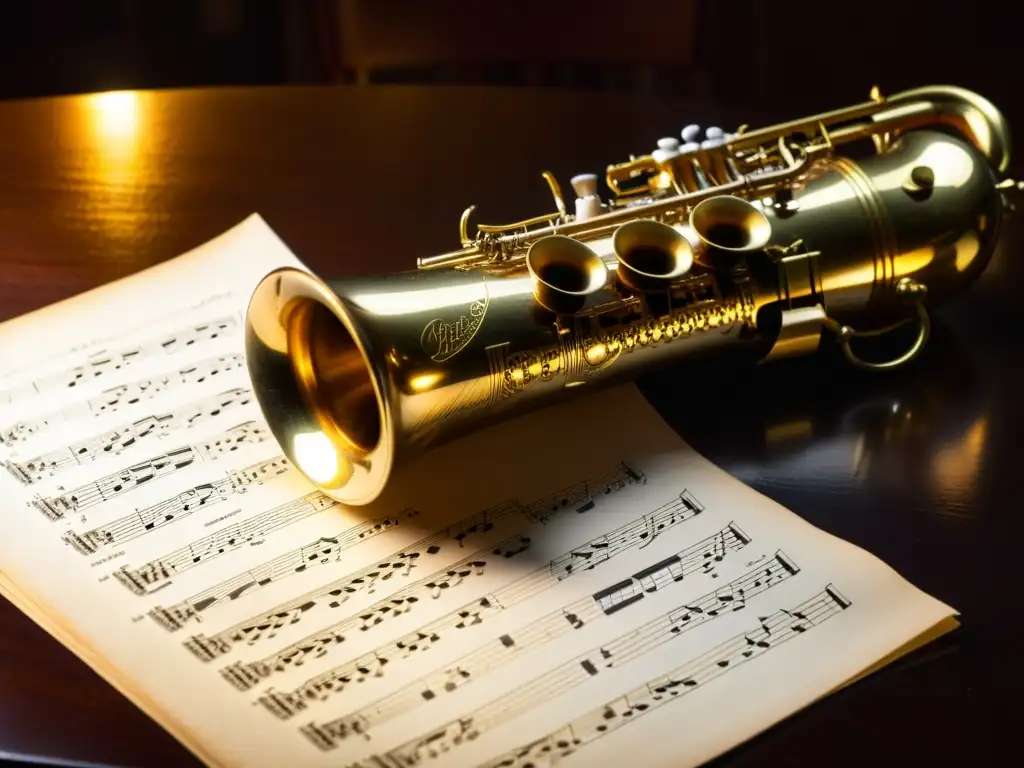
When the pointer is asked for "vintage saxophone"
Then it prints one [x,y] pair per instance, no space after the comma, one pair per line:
[759,242]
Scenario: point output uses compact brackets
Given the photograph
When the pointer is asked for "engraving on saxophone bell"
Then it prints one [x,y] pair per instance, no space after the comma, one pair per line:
[443,340]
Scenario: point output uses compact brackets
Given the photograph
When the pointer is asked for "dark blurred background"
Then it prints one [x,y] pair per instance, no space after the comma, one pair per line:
[759,53]
[934,496]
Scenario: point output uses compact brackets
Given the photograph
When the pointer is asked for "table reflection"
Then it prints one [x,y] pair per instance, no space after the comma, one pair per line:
[116,165]
[818,423]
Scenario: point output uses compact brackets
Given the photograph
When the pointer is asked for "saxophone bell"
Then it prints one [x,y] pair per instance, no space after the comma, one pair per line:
[327,405]
[728,227]
[651,255]
[565,272]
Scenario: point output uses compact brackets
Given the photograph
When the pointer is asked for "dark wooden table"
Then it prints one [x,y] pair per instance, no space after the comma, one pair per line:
[920,467]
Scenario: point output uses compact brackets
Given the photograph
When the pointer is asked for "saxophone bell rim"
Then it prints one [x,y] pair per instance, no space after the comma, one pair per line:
[738,215]
[293,320]
[669,253]
[565,273]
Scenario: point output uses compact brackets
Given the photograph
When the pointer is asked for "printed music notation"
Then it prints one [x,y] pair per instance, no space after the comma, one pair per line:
[598,550]
[580,496]
[116,334]
[195,499]
[769,632]
[701,558]
[323,551]
[556,682]
[151,576]
[124,396]
[137,475]
[549,606]
[105,364]
[119,439]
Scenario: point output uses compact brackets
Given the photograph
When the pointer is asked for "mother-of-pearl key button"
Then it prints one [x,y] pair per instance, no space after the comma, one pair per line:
[690,133]
[584,184]
[714,132]
[667,149]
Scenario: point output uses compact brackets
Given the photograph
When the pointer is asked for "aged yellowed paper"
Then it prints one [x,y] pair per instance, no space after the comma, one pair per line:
[573,587]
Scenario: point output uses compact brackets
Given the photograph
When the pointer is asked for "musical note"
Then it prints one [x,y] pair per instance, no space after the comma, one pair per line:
[582,496]
[565,677]
[265,626]
[195,499]
[326,549]
[245,675]
[137,475]
[145,578]
[119,439]
[490,656]
[122,397]
[104,364]
[646,529]
[567,739]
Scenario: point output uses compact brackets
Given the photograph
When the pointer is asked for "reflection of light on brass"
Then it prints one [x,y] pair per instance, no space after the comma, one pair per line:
[852,278]
[953,168]
[967,247]
[979,126]
[829,195]
[597,354]
[913,261]
[424,381]
[955,468]
[316,457]
[403,302]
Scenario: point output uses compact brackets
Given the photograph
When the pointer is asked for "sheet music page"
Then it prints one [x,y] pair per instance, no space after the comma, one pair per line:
[573,587]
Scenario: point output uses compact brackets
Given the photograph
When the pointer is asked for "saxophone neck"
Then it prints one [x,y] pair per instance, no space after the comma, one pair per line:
[970,114]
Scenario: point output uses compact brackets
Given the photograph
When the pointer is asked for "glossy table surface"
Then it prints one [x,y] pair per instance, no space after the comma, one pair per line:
[919,467]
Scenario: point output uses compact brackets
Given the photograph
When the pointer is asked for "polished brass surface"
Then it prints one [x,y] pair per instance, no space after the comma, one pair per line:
[565,273]
[728,227]
[651,255]
[764,243]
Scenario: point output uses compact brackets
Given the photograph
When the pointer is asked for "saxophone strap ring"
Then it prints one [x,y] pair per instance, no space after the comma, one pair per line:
[846,334]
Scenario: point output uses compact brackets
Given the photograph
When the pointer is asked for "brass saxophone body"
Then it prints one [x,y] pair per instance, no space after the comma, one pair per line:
[761,243]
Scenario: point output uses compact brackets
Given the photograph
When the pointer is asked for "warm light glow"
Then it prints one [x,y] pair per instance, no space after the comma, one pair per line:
[116,116]
[912,262]
[112,127]
[967,247]
[955,468]
[424,299]
[953,168]
[424,381]
[316,457]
